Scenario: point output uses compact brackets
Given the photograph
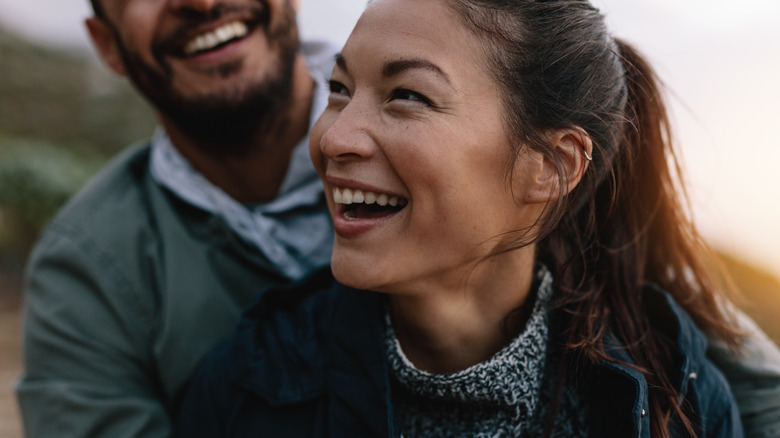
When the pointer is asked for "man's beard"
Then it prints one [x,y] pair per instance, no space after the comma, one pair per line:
[228,122]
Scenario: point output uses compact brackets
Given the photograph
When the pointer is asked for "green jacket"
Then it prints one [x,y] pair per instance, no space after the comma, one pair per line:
[127,289]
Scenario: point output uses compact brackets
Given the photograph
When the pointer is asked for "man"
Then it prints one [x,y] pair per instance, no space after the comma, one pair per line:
[150,265]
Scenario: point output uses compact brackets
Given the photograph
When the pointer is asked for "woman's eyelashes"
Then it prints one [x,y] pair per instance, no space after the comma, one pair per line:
[338,89]
[406,94]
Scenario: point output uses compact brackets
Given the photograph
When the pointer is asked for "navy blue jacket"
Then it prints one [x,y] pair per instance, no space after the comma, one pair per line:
[309,361]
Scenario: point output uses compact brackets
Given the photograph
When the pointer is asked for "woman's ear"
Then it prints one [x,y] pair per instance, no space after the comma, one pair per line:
[573,149]
[104,40]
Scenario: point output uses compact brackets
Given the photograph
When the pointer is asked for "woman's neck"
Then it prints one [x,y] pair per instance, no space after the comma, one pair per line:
[443,331]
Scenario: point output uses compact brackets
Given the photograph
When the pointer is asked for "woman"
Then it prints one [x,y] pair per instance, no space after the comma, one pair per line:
[499,178]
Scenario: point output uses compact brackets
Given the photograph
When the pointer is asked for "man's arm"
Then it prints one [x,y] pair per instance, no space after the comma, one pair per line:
[754,377]
[88,362]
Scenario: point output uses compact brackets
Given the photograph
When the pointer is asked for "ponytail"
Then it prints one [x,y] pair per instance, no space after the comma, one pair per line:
[624,225]
[636,232]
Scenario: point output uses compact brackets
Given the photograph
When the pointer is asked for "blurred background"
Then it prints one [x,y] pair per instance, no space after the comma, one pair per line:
[62,115]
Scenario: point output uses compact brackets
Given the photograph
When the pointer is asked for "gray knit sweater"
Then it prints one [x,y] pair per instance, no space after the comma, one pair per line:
[505,396]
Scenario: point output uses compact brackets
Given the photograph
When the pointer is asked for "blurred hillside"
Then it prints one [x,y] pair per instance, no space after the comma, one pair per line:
[760,294]
[61,116]
[66,98]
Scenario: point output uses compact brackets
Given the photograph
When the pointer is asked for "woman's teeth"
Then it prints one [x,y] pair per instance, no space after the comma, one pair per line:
[216,37]
[349,196]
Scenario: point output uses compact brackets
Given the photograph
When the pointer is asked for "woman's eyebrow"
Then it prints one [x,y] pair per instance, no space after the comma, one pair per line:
[393,68]
[341,62]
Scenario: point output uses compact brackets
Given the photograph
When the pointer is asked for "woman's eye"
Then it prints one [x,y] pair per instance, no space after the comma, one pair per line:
[404,94]
[338,88]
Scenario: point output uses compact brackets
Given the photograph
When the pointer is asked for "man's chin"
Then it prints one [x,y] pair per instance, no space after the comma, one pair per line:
[217,133]
[227,122]
[230,80]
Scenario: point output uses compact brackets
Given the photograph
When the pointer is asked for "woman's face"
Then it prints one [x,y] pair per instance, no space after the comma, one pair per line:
[413,151]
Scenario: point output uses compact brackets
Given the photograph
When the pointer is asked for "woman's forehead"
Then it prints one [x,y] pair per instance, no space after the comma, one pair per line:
[415,29]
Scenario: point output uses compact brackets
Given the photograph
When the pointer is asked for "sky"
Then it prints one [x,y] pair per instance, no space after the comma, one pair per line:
[720,62]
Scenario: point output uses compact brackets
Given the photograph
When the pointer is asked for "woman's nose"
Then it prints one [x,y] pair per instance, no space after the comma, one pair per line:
[347,134]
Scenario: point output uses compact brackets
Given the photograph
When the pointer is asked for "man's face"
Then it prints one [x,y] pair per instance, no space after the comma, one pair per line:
[208,65]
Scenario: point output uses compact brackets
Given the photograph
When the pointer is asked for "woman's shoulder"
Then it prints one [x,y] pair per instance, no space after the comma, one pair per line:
[283,339]
[273,359]
[294,345]
[669,319]
[284,329]
[619,395]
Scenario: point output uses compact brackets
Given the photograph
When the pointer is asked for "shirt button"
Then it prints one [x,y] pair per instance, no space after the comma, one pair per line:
[643,413]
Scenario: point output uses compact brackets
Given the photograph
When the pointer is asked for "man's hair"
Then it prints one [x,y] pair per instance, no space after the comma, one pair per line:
[97,9]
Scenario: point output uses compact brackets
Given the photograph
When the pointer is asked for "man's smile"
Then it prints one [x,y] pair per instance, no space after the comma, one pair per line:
[214,30]
[216,38]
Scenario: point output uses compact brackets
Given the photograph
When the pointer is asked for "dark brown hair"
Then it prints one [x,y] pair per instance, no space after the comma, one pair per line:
[97,9]
[624,225]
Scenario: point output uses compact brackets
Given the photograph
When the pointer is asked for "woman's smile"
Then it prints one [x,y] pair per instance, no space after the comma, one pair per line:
[360,208]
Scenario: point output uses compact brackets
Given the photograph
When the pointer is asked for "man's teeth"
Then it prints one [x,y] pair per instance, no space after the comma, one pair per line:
[349,196]
[220,35]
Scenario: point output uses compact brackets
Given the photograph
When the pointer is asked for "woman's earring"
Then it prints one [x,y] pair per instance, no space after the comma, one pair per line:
[588,157]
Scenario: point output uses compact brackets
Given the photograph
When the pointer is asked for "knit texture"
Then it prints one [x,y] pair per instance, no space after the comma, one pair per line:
[496,398]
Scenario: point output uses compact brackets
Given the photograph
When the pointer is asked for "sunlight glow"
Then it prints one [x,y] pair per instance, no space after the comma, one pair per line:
[722,14]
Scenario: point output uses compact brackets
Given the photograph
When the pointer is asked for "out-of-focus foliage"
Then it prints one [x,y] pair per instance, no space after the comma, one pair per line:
[67,99]
[36,178]
[61,116]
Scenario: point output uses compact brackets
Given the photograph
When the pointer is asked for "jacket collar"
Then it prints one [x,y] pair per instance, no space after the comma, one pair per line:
[671,320]
[628,384]
[318,338]
[278,352]
[357,378]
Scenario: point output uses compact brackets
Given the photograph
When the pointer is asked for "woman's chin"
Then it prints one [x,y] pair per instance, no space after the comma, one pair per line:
[360,277]
[351,275]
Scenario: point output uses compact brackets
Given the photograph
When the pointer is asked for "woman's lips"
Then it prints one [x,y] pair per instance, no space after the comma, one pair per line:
[359,211]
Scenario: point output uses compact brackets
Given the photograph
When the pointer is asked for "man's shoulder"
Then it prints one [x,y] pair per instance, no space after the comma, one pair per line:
[114,196]
[112,213]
